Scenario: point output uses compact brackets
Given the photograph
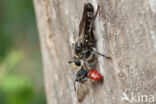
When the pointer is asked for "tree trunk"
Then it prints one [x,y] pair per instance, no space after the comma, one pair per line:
[125,30]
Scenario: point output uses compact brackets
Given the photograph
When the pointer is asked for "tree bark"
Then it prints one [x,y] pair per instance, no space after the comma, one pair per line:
[125,30]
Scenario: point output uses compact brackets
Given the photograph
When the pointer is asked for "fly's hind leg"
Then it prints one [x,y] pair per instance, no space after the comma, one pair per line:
[98,53]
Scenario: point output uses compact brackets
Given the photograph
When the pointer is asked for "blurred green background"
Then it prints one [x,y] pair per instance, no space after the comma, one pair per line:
[21,75]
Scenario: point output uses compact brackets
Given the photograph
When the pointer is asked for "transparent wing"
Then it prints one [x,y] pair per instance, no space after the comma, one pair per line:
[95,15]
[82,91]
[83,21]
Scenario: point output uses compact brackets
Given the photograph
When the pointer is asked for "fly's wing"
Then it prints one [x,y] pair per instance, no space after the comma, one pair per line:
[83,21]
[95,15]
[92,37]
[82,91]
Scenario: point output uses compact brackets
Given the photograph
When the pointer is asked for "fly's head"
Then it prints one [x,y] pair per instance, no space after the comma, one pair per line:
[76,63]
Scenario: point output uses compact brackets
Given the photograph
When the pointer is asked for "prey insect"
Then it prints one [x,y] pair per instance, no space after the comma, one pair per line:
[82,77]
[85,46]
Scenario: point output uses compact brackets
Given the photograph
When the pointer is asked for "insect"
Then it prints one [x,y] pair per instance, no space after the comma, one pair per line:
[76,63]
[85,52]
[83,74]
[85,46]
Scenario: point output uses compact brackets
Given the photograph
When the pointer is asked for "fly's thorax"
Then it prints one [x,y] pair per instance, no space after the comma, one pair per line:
[82,51]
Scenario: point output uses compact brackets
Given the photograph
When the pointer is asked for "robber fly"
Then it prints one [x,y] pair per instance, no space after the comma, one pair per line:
[85,52]
[85,46]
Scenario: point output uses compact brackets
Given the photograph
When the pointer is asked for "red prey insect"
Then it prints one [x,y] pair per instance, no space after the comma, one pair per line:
[83,74]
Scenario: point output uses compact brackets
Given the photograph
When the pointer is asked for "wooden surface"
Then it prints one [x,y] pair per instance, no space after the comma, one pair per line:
[125,30]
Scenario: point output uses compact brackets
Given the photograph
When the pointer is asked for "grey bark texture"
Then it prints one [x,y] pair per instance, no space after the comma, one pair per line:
[125,30]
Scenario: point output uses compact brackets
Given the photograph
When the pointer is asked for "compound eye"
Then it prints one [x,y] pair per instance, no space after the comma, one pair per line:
[78,62]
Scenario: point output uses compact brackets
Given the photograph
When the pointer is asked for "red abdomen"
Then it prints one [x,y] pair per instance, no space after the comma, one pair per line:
[95,75]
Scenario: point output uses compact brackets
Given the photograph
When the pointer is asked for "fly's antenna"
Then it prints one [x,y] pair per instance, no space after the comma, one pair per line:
[71,61]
